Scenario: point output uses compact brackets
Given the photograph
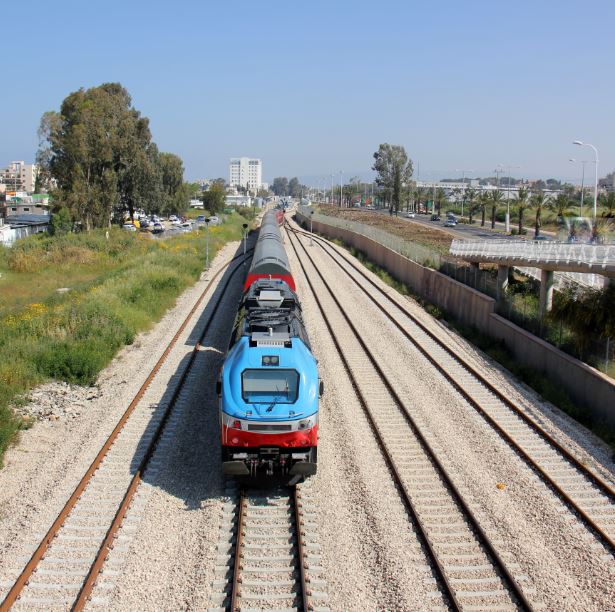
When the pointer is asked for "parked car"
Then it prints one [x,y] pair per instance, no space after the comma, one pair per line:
[201,219]
[213,220]
[176,221]
[157,228]
[173,218]
[144,223]
[540,238]
[130,227]
[187,226]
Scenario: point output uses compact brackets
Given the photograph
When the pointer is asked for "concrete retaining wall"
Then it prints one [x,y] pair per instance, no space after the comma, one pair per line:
[587,386]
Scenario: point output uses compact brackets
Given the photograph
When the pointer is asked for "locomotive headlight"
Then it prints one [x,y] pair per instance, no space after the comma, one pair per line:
[303,424]
[236,424]
[266,360]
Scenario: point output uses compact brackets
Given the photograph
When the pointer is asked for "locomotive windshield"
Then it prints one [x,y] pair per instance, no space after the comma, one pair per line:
[260,386]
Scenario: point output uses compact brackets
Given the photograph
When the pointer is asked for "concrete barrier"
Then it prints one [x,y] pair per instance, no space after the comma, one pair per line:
[587,387]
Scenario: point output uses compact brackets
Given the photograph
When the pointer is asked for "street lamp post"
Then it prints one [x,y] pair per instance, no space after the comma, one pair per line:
[509,168]
[207,243]
[463,183]
[591,146]
[582,162]
[245,239]
[311,229]
[341,189]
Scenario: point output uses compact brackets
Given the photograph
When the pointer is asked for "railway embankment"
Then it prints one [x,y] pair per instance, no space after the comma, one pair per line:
[70,303]
[592,392]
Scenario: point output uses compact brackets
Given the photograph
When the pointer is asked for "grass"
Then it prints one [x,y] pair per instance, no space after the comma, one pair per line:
[118,287]
[497,350]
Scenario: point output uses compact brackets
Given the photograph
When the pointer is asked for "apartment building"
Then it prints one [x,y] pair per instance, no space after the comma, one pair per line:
[245,172]
[18,176]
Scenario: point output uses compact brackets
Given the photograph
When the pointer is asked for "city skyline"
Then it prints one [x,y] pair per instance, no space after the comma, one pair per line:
[461,87]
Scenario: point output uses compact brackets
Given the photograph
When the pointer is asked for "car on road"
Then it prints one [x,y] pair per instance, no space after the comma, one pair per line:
[450,223]
[540,238]
[157,228]
[435,217]
[408,215]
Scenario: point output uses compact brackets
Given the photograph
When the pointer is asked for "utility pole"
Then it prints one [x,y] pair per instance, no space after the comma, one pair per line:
[207,243]
[341,189]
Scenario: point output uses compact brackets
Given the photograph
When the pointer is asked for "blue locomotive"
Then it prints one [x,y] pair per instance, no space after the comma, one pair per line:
[269,386]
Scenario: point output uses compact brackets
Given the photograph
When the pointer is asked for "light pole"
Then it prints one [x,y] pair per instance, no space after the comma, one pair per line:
[586,144]
[331,202]
[311,230]
[509,168]
[582,162]
[341,189]
[245,239]
[463,182]
[207,243]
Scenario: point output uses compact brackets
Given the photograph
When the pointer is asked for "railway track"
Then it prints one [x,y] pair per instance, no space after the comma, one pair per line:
[589,496]
[64,567]
[266,545]
[471,574]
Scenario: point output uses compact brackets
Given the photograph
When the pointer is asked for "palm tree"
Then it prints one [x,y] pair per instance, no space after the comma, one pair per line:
[539,200]
[522,203]
[608,201]
[440,195]
[470,198]
[560,205]
[496,198]
[483,200]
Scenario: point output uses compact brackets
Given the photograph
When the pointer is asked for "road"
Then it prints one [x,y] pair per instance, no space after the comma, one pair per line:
[462,230]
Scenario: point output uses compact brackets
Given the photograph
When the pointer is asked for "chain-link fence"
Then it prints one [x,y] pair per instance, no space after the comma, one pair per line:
[416,252]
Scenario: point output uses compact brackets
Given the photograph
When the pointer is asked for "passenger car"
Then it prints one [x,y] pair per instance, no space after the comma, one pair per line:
[157,228]
[129,227]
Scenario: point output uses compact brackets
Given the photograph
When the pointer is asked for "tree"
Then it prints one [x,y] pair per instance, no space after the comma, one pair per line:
[470,197]
[280,186]
[394,169]
[496,198]
[214,198]
[60,223]
[175,195]
[608,202]
[440,195]
[560,205]
[522,203]
[294,187]
[98,148]
[539,200]
[483,200]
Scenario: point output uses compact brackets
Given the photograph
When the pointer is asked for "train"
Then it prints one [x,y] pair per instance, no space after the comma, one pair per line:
[269,387]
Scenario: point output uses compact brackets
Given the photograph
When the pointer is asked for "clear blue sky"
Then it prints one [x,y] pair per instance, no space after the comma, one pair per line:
[313,87]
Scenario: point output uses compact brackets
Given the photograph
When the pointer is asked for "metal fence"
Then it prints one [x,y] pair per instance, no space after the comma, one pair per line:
[417,252]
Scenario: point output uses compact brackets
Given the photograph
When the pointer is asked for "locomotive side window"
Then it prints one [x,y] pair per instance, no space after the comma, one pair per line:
[260,386]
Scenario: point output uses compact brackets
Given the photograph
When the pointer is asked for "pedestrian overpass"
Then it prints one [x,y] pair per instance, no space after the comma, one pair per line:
[548,256]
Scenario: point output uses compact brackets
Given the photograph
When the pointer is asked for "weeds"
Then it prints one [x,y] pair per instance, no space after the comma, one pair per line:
[119,286]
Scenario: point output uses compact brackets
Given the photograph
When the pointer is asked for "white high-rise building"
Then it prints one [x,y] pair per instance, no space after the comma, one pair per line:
[245,172]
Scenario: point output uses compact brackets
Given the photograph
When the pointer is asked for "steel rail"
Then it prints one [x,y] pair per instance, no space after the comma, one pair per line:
[41,549]
[305,602]
[497,560]
[236,581]
[601,484]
